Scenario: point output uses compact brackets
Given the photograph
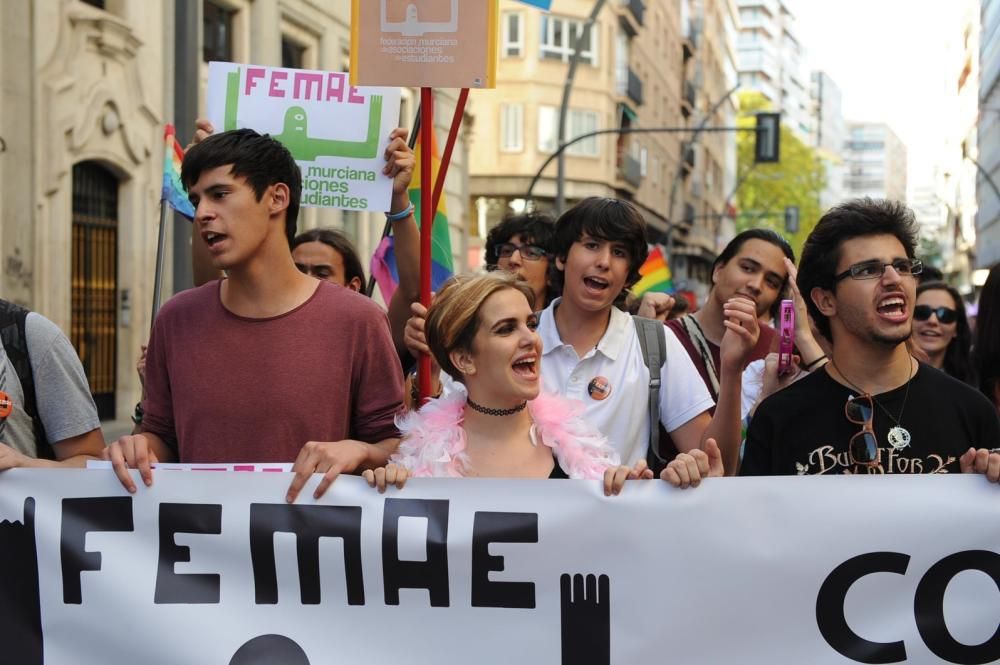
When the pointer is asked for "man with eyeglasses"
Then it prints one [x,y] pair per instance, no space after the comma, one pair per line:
[522,244]
[873,408]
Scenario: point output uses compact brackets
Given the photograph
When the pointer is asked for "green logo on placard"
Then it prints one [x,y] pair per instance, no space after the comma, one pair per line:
[295,134]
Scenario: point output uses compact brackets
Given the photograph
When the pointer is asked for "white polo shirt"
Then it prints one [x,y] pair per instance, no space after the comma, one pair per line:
[623,415]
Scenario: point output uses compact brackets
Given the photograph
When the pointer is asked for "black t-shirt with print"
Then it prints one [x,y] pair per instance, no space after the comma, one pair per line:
[803,429]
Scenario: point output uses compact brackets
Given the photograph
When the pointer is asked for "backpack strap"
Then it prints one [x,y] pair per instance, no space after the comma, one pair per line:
[653,342]
[15,344]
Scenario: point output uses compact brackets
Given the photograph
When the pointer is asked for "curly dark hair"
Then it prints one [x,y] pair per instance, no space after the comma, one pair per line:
[536,228]
[852,219]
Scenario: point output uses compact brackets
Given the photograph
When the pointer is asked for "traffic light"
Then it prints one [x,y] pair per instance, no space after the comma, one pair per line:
[768,135]
[791,219]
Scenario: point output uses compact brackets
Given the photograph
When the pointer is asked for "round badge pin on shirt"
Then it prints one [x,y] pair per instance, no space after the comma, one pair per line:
[599,388]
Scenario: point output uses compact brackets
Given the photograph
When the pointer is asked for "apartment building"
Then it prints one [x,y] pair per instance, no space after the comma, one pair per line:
[770,58]
[876,162]
[829,133]
[640,67]
[988,137]
[86,90]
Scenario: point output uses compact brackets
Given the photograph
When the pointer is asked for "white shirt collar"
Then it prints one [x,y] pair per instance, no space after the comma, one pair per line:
[611,343]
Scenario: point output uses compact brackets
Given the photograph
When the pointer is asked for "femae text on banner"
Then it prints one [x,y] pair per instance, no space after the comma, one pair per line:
[337,133]
[217,569]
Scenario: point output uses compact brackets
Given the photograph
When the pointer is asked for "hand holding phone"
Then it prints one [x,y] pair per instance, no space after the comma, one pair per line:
[786,336]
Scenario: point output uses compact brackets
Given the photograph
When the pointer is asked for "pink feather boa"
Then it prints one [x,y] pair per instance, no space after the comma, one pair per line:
[434,440]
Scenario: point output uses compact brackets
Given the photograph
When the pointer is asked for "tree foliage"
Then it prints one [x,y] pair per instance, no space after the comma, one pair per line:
[765,190]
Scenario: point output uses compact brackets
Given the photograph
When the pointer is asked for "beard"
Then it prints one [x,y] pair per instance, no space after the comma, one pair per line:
[858,324]
[890,340]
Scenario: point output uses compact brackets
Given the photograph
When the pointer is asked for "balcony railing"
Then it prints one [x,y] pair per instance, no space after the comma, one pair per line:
[637,8]
[630,16]
[691,29]
[688,99]
[687,159]
[688,214]
[630,170]
[634,88]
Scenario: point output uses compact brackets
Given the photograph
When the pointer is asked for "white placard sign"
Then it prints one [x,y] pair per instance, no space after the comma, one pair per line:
[215,568]
[337,133]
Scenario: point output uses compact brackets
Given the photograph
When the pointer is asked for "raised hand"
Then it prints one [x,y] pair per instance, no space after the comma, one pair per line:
[656,305]
[413,334]
[202,130]
[742,332]
[687,469]
[585,619]
[400,161]
[984,461]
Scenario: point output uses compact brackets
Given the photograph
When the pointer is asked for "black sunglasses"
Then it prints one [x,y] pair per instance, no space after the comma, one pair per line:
[944,314]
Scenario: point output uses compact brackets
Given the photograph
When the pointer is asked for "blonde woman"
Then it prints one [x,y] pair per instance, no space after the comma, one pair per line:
[481,331]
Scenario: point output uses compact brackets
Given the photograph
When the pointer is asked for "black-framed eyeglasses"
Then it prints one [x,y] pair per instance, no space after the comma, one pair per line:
[528,252]
[943,314]
[875,269]
[863,447]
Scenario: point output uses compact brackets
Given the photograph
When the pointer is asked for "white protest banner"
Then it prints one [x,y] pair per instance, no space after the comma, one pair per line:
[336,133]
[215,568]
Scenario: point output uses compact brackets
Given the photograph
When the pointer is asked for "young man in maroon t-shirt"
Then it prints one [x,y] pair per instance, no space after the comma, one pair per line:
[268,364]
[752,266]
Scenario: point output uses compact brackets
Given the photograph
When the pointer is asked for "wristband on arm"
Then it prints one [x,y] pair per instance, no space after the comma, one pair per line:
[401,215]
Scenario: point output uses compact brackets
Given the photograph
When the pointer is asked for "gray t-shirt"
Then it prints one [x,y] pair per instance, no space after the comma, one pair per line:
[62,393]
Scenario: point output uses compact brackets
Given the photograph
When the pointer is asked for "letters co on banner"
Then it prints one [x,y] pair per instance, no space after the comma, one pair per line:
[217,568]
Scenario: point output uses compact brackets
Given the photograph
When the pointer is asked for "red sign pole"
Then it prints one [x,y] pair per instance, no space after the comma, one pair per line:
[427,211]
[456,122]
[426,102]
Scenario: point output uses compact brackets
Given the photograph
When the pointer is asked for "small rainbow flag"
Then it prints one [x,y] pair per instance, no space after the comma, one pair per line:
[655,275]
[173,191]
[383,264]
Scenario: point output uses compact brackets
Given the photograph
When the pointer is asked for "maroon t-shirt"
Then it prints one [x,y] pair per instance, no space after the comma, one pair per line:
[223,388]
[763,347]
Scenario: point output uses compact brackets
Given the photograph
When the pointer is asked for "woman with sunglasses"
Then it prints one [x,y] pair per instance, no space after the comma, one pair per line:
[941,330]
[481,331]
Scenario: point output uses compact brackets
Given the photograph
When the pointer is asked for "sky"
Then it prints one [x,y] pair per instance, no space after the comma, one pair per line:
[891,61]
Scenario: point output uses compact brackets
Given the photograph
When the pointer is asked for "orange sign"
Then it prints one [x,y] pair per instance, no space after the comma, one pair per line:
[424,43]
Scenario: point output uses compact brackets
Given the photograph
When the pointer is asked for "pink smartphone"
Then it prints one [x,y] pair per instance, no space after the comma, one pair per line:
[786,336]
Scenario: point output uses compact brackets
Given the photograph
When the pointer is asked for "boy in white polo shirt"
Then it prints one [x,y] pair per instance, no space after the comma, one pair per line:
[591,349]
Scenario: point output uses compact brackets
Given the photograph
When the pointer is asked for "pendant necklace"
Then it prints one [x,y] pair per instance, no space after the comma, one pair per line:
[899,436]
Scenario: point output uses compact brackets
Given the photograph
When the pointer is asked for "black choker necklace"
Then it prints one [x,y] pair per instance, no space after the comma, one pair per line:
[496,412]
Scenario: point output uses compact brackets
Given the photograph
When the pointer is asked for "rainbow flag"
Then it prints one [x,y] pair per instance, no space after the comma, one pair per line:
[383,264]
[655,275]
[173,191]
